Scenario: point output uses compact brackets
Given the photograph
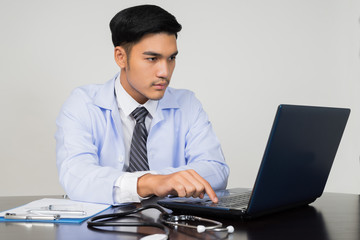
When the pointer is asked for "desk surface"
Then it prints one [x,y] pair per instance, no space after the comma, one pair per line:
[333,216]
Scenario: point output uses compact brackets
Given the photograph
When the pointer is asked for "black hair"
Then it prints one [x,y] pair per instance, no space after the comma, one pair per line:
[131,24]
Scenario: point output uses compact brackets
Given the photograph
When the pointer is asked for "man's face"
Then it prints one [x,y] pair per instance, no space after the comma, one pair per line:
[148,71]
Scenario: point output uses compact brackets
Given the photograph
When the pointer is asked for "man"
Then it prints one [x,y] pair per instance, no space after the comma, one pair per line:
[134,137]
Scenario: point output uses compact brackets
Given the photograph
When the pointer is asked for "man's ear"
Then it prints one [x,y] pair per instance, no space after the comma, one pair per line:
[120,57]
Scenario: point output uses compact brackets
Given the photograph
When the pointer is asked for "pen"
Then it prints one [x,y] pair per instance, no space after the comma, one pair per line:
[31,217]
[58,212]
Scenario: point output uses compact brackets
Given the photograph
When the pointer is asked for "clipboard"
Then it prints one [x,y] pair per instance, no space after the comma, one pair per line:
[52,210]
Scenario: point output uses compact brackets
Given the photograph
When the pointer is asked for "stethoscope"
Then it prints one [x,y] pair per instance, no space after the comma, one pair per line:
[175,221]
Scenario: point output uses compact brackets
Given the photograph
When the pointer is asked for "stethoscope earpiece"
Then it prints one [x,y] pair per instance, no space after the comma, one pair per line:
[200,228]
[230,229]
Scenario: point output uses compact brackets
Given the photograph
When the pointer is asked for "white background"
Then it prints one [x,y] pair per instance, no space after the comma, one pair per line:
[242,58]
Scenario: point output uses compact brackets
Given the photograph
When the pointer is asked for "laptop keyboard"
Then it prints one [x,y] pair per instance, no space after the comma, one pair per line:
[234,201]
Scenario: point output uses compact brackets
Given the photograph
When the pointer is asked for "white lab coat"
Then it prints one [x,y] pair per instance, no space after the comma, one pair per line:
[90,147]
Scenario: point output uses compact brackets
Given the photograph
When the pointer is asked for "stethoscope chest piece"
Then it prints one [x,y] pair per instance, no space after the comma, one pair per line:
[155,237]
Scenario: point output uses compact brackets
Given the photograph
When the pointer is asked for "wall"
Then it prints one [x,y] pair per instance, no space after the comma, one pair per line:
[240,57]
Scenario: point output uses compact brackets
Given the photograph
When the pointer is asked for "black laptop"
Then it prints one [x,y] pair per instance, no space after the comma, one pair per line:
[295,167]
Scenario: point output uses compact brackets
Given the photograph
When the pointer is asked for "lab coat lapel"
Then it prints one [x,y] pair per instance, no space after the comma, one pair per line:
[106,99]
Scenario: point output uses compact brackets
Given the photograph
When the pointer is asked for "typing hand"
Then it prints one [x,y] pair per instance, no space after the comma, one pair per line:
[187,183]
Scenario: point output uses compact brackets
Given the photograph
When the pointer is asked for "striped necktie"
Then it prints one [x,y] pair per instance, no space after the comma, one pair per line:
[138,153]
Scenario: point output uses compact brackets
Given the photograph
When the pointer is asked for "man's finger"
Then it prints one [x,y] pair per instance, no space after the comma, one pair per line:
[208,188]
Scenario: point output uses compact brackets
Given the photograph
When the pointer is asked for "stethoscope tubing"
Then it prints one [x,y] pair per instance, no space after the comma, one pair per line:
[106,220]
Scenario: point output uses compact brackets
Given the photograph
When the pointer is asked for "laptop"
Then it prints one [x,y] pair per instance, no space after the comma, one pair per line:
[295,167]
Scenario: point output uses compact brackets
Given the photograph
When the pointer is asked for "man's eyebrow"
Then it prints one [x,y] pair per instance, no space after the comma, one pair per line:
[150,53]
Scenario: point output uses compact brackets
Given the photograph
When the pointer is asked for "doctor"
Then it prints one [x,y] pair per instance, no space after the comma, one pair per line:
[107,154]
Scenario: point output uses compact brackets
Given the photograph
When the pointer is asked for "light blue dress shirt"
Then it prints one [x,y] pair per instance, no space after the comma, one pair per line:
[90,149]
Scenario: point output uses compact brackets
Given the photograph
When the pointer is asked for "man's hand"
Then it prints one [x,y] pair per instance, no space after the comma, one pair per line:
[187,183]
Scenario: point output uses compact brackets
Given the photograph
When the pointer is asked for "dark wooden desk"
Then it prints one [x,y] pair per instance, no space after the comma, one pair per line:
[333,216]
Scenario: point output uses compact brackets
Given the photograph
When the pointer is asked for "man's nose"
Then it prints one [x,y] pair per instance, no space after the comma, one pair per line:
[164,69]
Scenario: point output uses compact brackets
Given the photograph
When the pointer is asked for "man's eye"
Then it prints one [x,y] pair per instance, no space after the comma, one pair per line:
[152,59]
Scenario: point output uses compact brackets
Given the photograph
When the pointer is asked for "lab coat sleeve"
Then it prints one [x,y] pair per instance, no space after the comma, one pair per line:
[203,151]
[80,173]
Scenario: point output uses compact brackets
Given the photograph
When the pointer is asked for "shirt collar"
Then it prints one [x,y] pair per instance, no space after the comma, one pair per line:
[127,104]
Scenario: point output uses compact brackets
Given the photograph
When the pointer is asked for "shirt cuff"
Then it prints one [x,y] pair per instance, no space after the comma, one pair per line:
[125,187]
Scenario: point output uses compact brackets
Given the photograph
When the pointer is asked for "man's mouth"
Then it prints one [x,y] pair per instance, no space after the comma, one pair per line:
[160,85]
